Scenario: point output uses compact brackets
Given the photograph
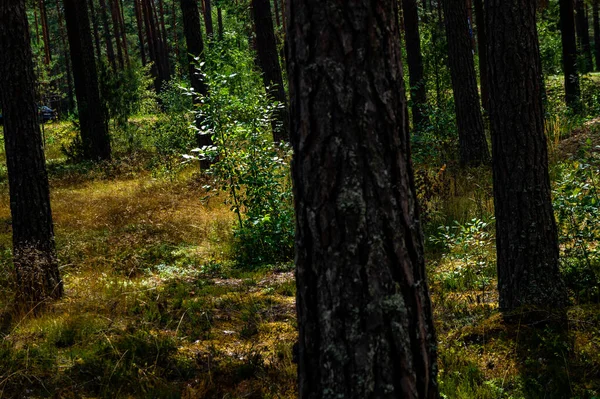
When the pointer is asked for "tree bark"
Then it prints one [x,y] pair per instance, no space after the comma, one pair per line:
[45,32]
[596,19]
[34,254]
[140,28]
[220,22]
[195,49]
[364,312]
[92,114]
[569,54]
[69,77]
[266,47]
[482,48]
[94,20]
[473,144]
[208,19]
[110,52]
[418,91]
[526,236]
[583,36]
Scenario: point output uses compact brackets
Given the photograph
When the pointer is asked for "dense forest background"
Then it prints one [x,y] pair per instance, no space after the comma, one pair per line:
[170,244]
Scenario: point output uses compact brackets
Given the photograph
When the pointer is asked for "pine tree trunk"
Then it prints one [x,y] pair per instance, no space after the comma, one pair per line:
[208,19]
[114,14]
[583,36]
[418,91]
[526,235]
[195,49]
[266,47]
[92,114]
[140,28]
[569,54]
[45,33]
[34,254]
[473,144]
[110,52]
[94,20]
[596,19]
[364,312]
[69,75]
[220,22]
[482,48]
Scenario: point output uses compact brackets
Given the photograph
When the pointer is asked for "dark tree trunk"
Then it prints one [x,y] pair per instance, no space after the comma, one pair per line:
[195,49]
[473,144]
[526,236]
[220,22]
[34,255]
[208,19]
[92,114]
[482,48]
[596,19]
[94,20]
[45,32]
[266,47]
[110,52]
[156,47]
[123,31]
[418,91]
[364,312]
[569,54]
[140,28]
[114,13]
[583,36]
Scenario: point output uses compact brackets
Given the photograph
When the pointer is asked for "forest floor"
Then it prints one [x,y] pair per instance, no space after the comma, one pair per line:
[154,307]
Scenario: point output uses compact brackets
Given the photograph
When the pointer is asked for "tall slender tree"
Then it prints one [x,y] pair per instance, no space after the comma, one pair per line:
[596,23]
[364,312]
[266,47]
[473,144]
[418,91]
[583,36]
[526,235]
[208,19]
[92,113]
[569,53]
[34,255]
[195,47]
[110,51]
[482,50]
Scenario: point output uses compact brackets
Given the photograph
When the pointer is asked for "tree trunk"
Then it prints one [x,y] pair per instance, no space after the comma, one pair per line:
[114,14]
[266,47]
[526,236]
[473,144]
[45,33]
[418,91]
[110,52]
[34,254]
[140,28]
[482,48]
[208,19]
[195,49]
[569,54]
[156,47]
[596,34]
[583,36]
[364,312]
[69,77]
[94,20]
[220,22]
[92,114]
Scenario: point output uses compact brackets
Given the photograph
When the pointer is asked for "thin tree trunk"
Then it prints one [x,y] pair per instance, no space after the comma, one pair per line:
[110,52]
[140,29]
[92,114]
[266,47]
[195,48]
[220,21]
[94,19]
[34,255]
[114,13]
[482,47]
[69,77]
[583,36]
[364,313]
[208,19]
[418,91]
[45,34]
[596,34]
[569,54]
[123,31]
[526,235]
[473,144]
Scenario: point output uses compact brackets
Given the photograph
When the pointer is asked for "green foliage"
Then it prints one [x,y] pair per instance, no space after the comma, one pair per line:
[550,40]
[249,166]
[577,208]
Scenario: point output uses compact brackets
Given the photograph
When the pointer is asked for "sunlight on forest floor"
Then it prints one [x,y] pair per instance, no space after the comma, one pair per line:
[154,307]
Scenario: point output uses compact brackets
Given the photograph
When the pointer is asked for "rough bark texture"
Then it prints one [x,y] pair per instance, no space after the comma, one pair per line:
[583,36]
[482,49]
[364,312]
[473,144]
[418,91]
[569,53]
[526,237]
[92,114]
[34,253]
[266,47]
[195,49]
